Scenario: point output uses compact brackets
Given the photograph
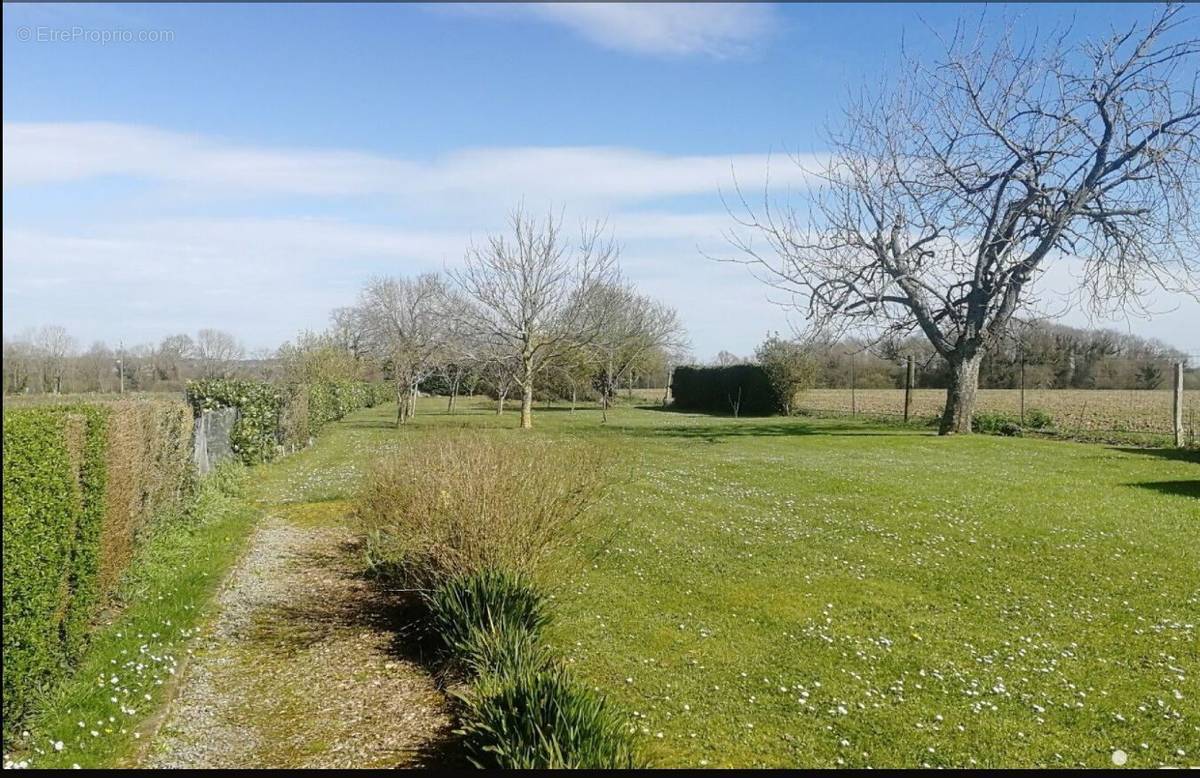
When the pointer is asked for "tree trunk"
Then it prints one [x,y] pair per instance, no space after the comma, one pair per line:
[400,412]
[961,395]
[527,404]
[609,390]
[527,375]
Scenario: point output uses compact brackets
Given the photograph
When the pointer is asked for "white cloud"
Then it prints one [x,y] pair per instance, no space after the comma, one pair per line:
[36,153]
[675,30]
[670,29]
[140,274]
[263,278]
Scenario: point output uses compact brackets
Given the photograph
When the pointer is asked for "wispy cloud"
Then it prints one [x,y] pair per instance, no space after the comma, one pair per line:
[374,214]
[40,153]
[265,278]
[269,278]
[717,30]
[672,29]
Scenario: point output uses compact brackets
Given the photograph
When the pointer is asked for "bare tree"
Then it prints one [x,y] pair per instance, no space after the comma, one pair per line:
[172,353]
[216,352]
[403,322]
[20,364]
[528,294]
[948,194]
[346,330]
[727,358]
[498,373]
[54,347]
[96,369]
[633,326]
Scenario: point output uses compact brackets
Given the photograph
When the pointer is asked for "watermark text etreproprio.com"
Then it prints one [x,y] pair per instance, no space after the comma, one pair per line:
[78,34]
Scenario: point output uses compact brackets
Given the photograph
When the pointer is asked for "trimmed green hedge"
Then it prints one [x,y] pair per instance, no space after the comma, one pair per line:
[54,480]
[81,483]
[274,418]
[331,400]
[717,389]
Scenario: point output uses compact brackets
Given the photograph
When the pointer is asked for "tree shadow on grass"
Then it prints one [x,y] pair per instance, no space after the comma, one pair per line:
[445,421]
[1176,454]
[1179,488]
[714,433]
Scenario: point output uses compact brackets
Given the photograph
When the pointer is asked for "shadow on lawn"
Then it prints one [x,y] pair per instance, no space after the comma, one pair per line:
[446,420]
[714,433]
[1180,488]
[1177,454]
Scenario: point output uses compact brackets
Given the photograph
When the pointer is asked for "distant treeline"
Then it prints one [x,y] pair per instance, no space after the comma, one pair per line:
[1051,356]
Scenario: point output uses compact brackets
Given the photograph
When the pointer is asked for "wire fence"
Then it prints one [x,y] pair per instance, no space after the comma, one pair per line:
[1134,397]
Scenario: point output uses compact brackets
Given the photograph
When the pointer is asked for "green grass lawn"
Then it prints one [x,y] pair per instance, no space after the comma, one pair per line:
[803,592]
[825,593]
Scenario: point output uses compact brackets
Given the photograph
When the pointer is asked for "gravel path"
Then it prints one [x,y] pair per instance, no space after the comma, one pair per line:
[299,669]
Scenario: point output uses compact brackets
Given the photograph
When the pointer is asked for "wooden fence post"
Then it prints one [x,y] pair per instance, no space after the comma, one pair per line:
[1178,405]
[909,374]
[853,390]
[1022,388]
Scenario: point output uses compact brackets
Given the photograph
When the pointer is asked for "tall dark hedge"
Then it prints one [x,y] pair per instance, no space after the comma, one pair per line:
[716,389]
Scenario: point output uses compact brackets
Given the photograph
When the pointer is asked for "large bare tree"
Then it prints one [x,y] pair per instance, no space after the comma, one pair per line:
[950,191]
[528,294]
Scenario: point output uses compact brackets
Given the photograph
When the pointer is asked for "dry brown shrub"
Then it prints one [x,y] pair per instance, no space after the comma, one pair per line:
[464,503]
[124,463]
[148,464]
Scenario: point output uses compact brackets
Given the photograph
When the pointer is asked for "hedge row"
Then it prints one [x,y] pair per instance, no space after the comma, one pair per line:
[274,418]
[81,482]
[742,389]
[330,401]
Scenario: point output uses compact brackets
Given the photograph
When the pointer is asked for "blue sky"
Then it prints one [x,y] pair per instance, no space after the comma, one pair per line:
[247,167]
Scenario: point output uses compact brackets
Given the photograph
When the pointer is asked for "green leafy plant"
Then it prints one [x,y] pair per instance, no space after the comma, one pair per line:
[543,719]
[990,422]
[790,368]
[257,433]
[54,478]
[740,390]
[1037,419]
[489,619]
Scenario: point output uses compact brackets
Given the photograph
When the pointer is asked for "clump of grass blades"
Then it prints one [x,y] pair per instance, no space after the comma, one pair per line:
[490,654]
[542,719]
[490,621]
